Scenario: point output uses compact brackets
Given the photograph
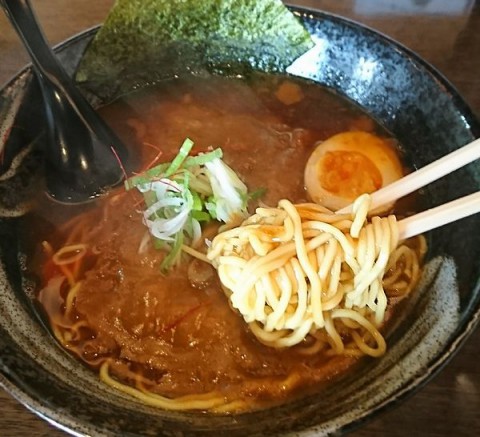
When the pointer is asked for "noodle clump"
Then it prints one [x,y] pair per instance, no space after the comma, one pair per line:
[299,272]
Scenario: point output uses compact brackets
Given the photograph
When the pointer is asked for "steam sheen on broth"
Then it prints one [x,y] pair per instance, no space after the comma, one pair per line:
[173,340]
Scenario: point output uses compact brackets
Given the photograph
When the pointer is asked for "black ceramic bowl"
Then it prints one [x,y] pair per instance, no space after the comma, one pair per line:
[403,93]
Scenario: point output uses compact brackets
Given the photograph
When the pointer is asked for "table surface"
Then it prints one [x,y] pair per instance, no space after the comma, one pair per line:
[445,33]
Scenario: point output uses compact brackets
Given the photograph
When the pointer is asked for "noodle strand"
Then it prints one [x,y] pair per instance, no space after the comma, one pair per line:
[297,270]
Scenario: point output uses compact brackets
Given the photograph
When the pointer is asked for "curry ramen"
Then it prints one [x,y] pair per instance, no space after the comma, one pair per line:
[183,336]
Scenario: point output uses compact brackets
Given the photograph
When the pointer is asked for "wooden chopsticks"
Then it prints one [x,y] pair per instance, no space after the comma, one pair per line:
[440,215]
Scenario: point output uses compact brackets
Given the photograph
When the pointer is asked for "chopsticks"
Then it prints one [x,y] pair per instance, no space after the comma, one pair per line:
[440,215]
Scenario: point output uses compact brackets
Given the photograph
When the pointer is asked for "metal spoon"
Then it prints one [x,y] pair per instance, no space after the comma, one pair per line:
[83,153]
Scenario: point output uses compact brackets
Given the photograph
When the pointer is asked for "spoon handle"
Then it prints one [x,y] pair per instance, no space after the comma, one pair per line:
[25,23]
[47,67]
[83,153]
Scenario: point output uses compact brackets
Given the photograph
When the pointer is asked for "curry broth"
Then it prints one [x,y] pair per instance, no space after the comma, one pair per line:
[176,334]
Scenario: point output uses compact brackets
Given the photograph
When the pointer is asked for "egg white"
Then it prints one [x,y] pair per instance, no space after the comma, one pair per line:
[364,148]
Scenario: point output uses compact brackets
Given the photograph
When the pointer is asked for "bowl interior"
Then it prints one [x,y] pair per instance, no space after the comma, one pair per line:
[415,103]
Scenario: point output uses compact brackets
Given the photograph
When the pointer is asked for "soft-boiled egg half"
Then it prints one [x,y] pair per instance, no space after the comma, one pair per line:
[349,164]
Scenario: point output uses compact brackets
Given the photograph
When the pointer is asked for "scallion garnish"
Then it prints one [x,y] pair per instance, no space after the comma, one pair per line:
[181,194]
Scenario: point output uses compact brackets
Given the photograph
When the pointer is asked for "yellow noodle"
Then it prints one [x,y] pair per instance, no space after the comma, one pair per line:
[48,249]
[76,250]
[325,277]
[205,401]
[68,274]
[72,294]
[236,405]
[195,253]
[316,347]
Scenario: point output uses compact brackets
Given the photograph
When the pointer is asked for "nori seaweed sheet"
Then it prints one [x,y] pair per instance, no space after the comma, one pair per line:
[144,41]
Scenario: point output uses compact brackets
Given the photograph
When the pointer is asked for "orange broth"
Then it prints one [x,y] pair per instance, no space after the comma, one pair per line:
[176,334]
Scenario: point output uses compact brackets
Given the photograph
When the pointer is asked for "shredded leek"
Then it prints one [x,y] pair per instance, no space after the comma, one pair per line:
[184,193]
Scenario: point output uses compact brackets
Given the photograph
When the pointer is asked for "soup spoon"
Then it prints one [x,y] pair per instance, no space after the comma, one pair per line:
[83,155]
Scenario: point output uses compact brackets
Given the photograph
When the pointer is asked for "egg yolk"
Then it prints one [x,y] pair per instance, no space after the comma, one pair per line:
[348,174]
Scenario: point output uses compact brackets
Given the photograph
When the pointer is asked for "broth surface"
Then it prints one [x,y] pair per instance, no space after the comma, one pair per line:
[176,334]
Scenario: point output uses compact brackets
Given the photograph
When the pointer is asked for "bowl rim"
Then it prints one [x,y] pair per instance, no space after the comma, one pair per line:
[464,329]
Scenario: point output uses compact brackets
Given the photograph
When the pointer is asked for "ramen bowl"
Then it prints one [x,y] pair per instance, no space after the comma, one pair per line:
[404,94]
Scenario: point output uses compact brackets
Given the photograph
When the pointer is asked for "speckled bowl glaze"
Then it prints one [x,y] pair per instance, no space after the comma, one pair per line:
[410,99]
